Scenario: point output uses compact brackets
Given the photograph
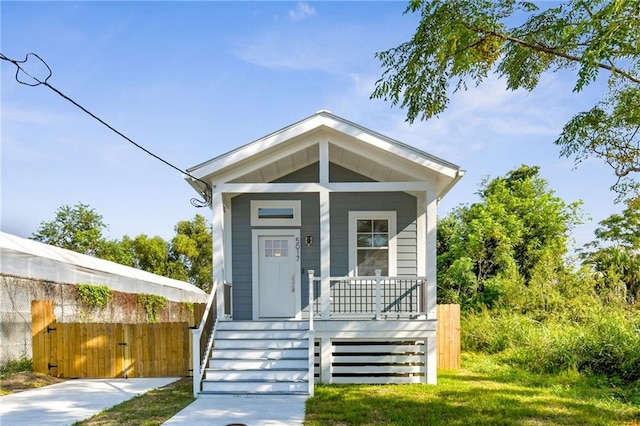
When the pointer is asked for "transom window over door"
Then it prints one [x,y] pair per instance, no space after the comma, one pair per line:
[275,213]
[372,243]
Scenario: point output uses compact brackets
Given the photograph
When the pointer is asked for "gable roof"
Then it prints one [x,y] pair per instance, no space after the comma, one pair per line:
[295,146]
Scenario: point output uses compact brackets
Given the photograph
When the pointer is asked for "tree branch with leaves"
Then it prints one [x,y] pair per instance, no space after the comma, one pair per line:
[460,42]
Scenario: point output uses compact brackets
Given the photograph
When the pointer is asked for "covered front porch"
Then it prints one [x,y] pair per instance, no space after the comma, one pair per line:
[332,225]
[374,330]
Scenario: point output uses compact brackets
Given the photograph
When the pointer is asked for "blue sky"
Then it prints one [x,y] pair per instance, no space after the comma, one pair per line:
[193,80]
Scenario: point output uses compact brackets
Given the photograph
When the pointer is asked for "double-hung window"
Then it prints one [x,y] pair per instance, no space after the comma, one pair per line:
[372,243]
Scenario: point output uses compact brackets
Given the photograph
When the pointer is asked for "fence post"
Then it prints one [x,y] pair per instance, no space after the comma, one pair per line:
[195,347]
[378,294]
[448,336]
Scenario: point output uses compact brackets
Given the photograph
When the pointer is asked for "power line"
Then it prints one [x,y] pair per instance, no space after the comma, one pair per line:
[33,81]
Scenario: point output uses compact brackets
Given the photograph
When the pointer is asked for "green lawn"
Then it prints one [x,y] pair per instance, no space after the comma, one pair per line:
[485,392]
[150,409]
[482,393]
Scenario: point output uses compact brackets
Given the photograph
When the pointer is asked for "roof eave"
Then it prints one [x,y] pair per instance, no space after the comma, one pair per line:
[459,175]
[216,166]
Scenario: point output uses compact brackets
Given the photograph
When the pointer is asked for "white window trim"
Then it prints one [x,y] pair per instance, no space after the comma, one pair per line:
[393,250]
[258,204]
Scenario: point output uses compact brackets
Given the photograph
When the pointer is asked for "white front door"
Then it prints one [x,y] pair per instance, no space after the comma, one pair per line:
[278,274]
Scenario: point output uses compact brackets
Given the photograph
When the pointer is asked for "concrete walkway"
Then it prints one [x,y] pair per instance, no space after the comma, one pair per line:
[250,410]
[68,402]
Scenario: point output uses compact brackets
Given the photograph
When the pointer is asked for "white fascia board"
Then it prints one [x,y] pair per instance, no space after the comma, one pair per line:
[256,154]
[405,160]
[333,122]
[259,146]
[263,159]
[396,147]
[442,192]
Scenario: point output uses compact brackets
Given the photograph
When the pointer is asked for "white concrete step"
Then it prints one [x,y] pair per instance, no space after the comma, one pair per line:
[263,325]
[262,334]
[257,375]
[255,387]
[258,344]
[260,353]
[259,357]
[258,364]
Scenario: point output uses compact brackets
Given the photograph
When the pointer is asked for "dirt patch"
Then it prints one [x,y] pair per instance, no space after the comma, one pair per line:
[25,380]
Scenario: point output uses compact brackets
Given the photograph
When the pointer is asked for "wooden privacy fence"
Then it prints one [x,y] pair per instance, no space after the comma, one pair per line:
[107,350]
[155,350]
[448,337]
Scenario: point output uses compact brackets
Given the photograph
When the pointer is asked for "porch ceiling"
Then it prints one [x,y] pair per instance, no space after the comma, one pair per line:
[357,162]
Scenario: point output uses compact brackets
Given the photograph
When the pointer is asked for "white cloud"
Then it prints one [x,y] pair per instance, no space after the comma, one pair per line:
[277,50]
[32,116]
[302,11]
[274,53]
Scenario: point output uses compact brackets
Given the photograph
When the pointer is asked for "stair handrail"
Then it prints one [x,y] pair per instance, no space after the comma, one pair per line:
[196,337]
[312,339]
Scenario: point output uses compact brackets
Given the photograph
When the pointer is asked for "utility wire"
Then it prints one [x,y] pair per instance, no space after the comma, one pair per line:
[205,192]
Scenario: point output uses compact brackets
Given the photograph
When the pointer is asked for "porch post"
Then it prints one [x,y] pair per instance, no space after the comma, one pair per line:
[378,294]
[325,237]
[311,298]
[218,250]
[430,259]
[432,361]
[431,203]
[326,370]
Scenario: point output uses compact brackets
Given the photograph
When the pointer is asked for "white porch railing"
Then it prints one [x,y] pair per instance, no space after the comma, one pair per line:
[202,339]
[369,297]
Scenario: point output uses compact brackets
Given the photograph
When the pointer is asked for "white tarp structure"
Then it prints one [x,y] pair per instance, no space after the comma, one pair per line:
[30,270]
[31,259]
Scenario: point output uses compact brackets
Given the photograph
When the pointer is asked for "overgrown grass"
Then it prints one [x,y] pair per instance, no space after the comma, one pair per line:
[16,366]
[152,408]
[484,392]
[604,342]
[18,375]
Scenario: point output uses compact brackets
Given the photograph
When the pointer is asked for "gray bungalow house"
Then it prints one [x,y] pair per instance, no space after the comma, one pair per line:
[324,238]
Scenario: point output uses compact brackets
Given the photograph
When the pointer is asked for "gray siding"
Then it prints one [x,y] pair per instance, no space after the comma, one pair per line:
[403,203]
[340,174]
[341,204]
[405,206]
[241,248]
